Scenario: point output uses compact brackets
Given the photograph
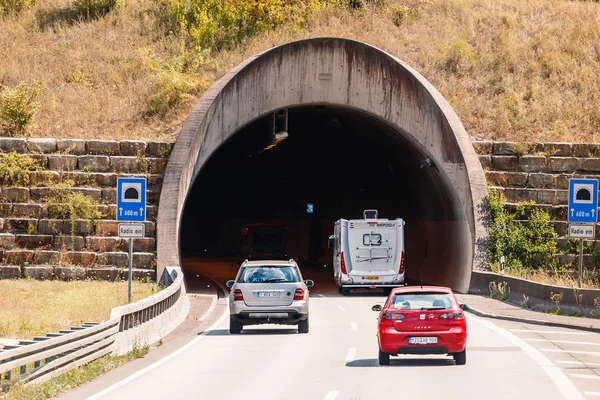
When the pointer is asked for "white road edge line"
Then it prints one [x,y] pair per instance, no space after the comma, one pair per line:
[321,295]
[564,342]
[594,394]
[588,364]
[160,362]
[566,388]
[351,354]
[213,304]
[331,395]
[341,308]
[354,326]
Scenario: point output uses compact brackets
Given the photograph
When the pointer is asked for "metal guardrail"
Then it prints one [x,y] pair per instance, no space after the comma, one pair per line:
[47,356]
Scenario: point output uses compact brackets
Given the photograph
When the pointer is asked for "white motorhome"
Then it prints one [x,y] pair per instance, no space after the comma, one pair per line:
[368,252]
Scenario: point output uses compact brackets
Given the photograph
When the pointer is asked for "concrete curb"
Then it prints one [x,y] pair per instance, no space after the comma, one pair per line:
[484,314]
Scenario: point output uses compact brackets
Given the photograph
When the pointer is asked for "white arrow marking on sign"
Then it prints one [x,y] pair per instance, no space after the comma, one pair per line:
[593,212]
[121,211]
[141,211]
[572,211]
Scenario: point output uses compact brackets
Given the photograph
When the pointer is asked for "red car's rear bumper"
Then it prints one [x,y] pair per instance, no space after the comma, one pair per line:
[453,340]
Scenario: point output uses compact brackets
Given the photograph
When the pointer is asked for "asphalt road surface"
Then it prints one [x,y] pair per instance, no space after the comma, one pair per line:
[337,359]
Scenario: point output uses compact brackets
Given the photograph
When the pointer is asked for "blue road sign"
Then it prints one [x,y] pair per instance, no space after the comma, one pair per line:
[131,199]
[583,200]
[310,208]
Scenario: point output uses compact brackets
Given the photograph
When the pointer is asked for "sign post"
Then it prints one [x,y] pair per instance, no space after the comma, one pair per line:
[131,207]
[582,213]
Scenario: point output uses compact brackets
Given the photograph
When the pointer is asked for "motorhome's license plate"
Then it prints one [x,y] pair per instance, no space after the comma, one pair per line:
[422,340]
[372,278]
[268,294]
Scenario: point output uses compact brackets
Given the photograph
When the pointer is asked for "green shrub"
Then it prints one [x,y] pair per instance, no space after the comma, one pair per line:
[15,169]
[403,14]
[528,243]
[171,89]
[18,107]
[12,7]
[92,9]
[521,149]
[66,203]
[499,290]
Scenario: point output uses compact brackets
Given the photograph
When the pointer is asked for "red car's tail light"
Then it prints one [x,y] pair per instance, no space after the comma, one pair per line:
[237,295]
[401,271]
[299,294]
[343,264]
[453,315]
[393,316]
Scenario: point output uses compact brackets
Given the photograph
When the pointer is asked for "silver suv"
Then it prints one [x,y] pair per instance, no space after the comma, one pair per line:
[268,292]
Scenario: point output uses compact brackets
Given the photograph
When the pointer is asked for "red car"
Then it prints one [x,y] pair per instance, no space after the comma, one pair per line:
[422,320]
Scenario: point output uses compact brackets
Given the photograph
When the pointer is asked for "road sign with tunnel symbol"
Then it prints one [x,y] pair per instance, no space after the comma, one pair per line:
[131,199]
[583,200]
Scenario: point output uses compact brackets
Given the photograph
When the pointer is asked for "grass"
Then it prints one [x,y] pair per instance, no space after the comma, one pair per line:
[513,69]
[32,307]
[552,278]
[74,378]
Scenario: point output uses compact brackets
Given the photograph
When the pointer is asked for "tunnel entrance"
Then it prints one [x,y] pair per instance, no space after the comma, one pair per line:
[362,131]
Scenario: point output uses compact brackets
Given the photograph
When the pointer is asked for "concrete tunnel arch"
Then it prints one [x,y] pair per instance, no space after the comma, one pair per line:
[354,76]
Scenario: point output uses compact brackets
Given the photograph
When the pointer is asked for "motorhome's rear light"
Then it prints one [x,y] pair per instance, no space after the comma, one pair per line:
[401,271]
[343,264]
[237,295]
[299,294]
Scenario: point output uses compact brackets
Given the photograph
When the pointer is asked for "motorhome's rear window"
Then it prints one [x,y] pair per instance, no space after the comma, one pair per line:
[422,301]
[372,239]
[268,274]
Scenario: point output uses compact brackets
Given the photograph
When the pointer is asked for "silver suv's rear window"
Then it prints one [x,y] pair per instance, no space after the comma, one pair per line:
[421,301]
[268,274]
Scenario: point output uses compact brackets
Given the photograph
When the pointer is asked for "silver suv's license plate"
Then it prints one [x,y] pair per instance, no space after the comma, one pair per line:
[268,294]
[422,340]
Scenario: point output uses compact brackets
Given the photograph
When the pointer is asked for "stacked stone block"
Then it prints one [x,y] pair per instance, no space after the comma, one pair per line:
[540,172]
[34,245]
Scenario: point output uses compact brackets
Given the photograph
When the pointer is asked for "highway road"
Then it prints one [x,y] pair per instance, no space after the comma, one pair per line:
[337,359]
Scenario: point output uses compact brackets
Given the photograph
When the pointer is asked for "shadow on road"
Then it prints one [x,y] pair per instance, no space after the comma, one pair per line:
[400,362]
[251,332]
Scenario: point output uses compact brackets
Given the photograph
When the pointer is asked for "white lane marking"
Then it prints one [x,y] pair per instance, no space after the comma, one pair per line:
[549,332]
[563,342]
[341,308]
[587,353]
[213,304]
[593,394]
[351,354]
[567,389]
[321,295]
[582,376]
[161,361]
[354,326]
[331,395]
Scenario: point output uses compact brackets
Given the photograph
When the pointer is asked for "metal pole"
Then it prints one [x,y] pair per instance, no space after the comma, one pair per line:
[130,268]
[580,260]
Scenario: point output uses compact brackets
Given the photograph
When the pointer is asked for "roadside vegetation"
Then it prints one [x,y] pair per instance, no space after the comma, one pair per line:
[527,240]
[31,307]
[73,378]
[513,70]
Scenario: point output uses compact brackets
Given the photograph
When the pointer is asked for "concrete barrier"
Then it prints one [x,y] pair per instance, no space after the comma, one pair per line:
[537,293]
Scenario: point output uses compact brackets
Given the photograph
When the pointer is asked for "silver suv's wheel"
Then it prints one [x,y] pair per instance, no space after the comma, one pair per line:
[303,326]
[235,327]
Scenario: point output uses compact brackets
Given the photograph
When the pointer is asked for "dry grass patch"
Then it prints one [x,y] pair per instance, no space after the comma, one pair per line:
[514,70]
[554,278]
[31,307]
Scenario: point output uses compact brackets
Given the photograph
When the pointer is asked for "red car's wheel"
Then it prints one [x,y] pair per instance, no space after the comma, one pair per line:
[384,358]
[460,358]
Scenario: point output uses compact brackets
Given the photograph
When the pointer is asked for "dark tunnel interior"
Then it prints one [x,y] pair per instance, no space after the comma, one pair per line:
[339,160]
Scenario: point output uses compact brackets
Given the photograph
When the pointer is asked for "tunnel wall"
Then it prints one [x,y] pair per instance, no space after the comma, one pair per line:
[357,76]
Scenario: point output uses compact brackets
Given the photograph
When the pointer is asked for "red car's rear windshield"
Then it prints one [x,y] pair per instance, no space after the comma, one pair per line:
[421,301]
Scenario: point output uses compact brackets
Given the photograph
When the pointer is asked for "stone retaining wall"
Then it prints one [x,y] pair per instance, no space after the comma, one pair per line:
[33,245]
[540,172]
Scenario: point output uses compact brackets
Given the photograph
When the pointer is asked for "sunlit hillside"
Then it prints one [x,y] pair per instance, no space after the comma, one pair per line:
[513,69]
